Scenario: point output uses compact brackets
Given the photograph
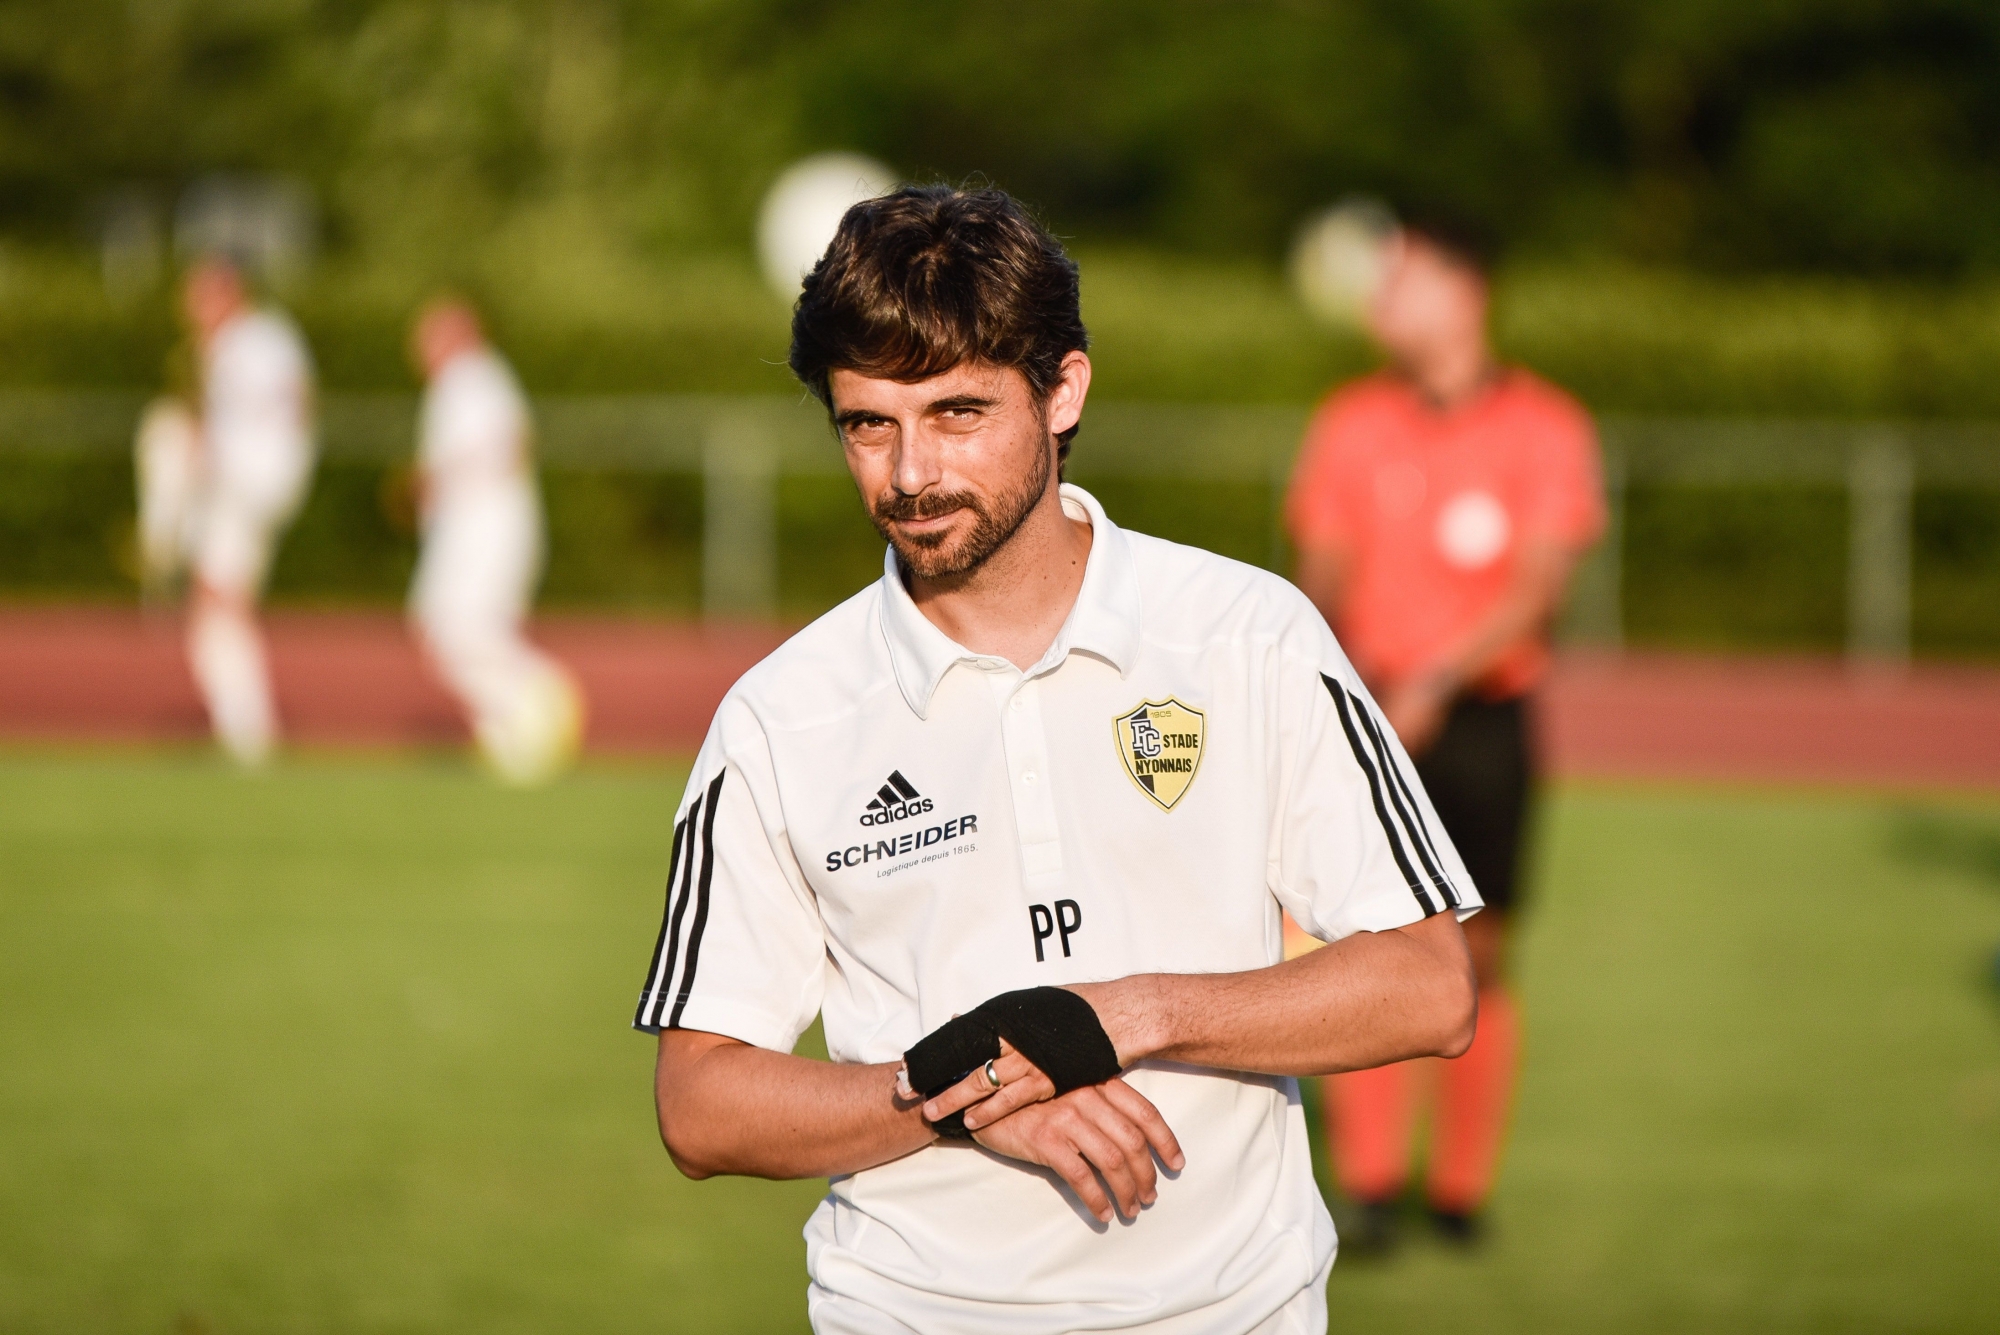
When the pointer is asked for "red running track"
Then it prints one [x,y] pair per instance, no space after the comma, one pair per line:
[355,678]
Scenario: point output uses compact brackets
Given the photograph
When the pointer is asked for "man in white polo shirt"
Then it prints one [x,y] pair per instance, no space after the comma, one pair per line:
[1041,753]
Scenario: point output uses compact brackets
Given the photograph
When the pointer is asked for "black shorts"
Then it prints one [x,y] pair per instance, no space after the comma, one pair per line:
[1480,773]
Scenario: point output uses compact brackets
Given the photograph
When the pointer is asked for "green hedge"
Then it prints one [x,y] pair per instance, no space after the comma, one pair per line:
[1164,328]
[1746,567]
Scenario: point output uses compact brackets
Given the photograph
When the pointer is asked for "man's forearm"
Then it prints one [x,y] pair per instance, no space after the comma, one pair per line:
[728,1107]
[1371,998]
[1531,599]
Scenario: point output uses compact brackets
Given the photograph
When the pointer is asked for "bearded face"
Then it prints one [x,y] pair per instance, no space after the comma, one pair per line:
[937,553]
[951,466]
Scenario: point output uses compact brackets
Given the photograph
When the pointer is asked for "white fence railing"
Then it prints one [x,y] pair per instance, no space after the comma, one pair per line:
[740,447]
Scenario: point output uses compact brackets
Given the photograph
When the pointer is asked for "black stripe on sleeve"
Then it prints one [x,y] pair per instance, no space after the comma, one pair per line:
[1361,758]
[701,900]
[1452,898]
[660,993]
[651,988]
[1406,806]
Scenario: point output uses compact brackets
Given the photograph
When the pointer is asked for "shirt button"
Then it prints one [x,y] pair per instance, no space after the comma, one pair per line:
[1029,777]
[1018,702]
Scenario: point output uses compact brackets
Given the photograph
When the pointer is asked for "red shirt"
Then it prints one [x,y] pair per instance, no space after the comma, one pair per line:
[1432,509]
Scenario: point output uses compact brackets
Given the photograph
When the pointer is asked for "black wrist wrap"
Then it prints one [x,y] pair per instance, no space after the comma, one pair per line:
[1053,1028]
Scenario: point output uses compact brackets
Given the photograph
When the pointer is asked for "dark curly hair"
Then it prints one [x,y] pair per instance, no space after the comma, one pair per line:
[924,279]
[1465,236]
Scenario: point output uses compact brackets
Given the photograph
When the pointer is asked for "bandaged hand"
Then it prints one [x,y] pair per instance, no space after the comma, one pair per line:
[1033,1075]
[1049,1039]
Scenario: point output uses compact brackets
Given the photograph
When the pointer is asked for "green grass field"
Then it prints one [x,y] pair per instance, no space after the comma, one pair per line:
[344,1049]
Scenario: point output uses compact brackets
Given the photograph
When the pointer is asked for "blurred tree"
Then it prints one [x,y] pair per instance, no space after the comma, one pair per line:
[1854,135]
[1849,134]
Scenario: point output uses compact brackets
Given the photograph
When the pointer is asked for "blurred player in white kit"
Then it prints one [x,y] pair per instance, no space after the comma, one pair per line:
[235,489]
[482,550]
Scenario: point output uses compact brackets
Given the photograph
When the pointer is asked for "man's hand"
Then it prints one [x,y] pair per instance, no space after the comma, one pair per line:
[1109,1129]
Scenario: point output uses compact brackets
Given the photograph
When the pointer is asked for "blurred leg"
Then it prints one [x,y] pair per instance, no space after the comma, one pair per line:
[1479,776]
[225,649]
[526,713]
[227,655]
[469,601]
[1474,1095]
[1369,1117]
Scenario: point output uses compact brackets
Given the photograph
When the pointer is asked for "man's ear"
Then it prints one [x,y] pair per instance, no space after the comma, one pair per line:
[1066,397]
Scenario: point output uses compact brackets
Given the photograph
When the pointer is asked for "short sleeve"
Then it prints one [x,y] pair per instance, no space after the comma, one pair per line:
[1356,845]
[1320,502]
[1565,484]
[740,950]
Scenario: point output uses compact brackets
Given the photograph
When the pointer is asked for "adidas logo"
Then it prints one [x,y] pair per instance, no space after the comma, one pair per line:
[895,800]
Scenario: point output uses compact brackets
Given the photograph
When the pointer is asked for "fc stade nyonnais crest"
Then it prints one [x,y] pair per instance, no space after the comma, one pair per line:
[1160,743]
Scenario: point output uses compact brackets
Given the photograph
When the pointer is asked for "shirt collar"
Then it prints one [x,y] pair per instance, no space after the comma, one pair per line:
[1104,621]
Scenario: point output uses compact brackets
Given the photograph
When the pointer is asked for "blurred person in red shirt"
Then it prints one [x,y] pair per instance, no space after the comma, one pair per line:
[1438,509]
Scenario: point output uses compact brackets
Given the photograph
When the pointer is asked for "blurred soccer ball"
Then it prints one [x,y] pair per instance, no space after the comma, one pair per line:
[804,208]
[1339,258]
[537,736]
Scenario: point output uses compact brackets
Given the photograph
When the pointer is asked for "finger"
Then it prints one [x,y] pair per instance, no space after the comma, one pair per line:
[1110,1160]
[961,1095]
[1140,1109]
[1015,1094]
[1012,1068]
[1130,1140]
[1070,1165]
[1115,1146]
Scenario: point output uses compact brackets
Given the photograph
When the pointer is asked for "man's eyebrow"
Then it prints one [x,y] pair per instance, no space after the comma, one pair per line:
[950,403]
[960,401]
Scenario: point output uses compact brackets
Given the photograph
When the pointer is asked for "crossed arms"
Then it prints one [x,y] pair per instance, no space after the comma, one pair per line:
[1370,998]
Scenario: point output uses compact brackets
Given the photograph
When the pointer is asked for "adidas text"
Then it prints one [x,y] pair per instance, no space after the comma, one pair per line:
[901,811]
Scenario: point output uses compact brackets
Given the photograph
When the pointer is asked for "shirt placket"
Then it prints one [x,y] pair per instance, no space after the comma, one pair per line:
[1027,749]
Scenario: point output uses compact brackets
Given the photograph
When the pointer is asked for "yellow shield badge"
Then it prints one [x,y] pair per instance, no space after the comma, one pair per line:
[1160,743]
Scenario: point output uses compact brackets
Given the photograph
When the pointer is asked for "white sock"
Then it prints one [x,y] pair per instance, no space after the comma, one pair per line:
[228,658]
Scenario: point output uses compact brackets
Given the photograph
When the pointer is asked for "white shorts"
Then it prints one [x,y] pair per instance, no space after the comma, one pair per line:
[480,560]
[247,502]
[233,544]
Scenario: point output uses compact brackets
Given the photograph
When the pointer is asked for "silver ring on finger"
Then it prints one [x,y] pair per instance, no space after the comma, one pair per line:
[992,1076]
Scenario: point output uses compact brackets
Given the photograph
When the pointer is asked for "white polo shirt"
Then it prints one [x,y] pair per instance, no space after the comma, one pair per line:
[257,412]
[473,432]
[482,523]
[886,829]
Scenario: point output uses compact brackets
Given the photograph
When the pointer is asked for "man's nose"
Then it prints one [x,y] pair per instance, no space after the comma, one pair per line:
[917,465]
